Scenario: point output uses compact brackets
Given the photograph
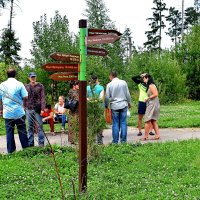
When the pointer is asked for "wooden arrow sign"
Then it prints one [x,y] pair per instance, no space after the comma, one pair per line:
[96,51]
[93,32]
[64,76]
[101,39]
[60,67]
[59,56]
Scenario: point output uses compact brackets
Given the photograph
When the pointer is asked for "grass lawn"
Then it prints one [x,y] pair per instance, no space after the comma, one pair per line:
[180,115]
[151,171]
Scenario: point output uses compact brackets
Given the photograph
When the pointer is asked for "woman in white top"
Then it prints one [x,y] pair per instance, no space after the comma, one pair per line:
[59,111]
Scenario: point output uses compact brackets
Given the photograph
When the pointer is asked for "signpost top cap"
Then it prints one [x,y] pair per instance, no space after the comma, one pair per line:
[82,23]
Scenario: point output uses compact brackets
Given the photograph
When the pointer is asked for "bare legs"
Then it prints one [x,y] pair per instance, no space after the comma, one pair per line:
[148,127]
[140,117]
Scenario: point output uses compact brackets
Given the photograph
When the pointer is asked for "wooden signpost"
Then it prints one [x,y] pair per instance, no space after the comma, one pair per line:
[92,31]
[102,39]
[69,71]
[59,56]
[96,51]
[61,67]
[64,76]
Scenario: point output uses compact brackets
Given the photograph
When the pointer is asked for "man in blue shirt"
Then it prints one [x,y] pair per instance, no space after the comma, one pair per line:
[12,94]
[118,96]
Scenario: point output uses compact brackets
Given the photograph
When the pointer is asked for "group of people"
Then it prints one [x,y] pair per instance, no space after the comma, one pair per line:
[148,105]
[118,98]
[18,100]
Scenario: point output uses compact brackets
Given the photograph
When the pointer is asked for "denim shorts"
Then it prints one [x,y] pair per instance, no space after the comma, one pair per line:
[141,108]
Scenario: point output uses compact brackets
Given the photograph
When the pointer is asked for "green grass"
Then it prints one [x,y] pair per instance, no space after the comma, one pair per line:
[151,171]
[180,115]
[57,127]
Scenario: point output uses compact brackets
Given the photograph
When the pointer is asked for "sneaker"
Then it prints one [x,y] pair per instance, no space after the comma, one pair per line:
[151,133]
[62,129]
[139,134]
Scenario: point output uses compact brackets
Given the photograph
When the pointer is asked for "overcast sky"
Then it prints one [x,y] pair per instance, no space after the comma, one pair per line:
[125,13]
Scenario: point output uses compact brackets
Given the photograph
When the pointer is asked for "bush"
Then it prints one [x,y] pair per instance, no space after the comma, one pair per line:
[166,72]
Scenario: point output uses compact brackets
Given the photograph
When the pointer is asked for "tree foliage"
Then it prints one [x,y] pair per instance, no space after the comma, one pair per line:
[9,44]
[9,47]
[3,3]
[188,54]
[98,18]
[175,22]
[49,37]
[191,17]
[166,72]
[154,36]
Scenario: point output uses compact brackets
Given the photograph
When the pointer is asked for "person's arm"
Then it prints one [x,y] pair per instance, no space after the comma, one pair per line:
[128,96]
[56,109]
[48,117]
[24,101]
[137,79]
[107,96]
[154,92]
[102,94]
[42,96]
[24,94]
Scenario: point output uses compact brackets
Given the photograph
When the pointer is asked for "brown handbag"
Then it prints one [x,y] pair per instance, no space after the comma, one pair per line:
[108,116]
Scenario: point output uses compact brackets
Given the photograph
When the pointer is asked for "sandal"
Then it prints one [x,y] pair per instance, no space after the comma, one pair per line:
[156,137]
[144,139]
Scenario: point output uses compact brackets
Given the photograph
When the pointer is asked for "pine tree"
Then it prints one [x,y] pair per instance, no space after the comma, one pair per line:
[97,15]
[197,5]
[191,18]
[154,36]
[3,3]
[174,18]
[98,18]
[9,45]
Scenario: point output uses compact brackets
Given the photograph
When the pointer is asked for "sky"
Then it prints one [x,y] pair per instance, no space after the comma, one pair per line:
[126,13]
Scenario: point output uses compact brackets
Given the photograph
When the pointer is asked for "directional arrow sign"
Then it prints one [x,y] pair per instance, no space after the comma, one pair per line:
[64,76]
[102,39]
[102,32]
[59,56]
[60,67]
[96,51]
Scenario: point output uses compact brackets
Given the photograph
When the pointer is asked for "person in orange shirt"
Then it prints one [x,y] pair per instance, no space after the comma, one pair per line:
[47,117]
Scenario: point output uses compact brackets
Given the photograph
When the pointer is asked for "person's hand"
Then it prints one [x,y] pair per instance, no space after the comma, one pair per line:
[146,99]
[41,112]
[129,105]
[43,119]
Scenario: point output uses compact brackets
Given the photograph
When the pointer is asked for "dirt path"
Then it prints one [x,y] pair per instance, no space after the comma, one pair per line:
[166,135]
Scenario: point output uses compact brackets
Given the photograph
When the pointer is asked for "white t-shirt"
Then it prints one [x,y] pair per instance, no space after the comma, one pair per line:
[59,108]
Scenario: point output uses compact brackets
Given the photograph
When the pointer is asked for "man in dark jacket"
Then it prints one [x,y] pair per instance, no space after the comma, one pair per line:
[35,106]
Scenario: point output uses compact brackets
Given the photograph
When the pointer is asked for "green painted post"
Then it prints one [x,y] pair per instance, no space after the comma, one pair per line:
[83,49]
[82,109]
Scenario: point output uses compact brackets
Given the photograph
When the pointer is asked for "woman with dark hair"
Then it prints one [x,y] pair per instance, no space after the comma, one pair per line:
[153,108]
[73,114]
